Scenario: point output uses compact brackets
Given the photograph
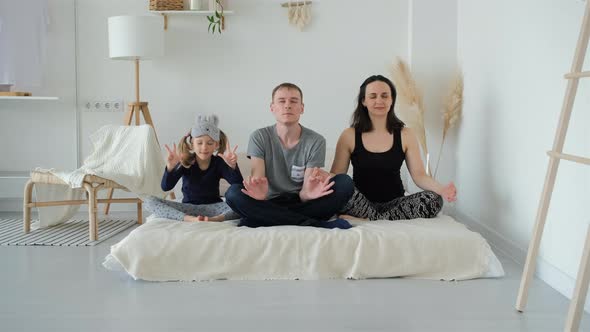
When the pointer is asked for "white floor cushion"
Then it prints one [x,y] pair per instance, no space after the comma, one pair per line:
[439,248]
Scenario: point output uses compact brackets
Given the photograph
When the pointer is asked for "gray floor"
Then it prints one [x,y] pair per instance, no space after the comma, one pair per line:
[67,289]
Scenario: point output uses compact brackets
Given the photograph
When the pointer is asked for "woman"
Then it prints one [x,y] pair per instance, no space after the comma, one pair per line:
[377,143]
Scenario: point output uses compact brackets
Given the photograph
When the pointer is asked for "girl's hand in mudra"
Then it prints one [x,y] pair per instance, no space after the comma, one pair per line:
[173,157]
[229,156]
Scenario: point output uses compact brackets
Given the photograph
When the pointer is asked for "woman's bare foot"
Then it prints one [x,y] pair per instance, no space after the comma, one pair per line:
[351,218]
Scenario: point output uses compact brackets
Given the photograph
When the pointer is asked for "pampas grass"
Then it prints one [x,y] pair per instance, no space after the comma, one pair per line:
[452,110]
[410,94]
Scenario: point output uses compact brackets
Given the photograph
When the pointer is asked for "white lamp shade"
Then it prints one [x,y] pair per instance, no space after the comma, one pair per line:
[136,37]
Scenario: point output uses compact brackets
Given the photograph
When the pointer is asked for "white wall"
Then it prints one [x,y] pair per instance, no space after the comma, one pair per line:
[34,131]
[514,55]
[42,133]
[433,58]
[233,74]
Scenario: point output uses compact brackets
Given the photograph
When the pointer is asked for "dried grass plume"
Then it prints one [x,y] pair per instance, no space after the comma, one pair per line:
[452,110]
[409,93]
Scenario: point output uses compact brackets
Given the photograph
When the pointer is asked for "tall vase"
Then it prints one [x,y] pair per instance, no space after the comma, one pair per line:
[213,5]
[195,4]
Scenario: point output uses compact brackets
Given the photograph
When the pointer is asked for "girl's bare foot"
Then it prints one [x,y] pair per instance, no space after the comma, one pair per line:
[195,219]
[219,217]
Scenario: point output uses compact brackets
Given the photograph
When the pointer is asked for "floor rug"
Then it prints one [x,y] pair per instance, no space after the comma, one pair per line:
[70,233]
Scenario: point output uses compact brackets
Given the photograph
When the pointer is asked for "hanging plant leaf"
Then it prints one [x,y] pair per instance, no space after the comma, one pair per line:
[215,20]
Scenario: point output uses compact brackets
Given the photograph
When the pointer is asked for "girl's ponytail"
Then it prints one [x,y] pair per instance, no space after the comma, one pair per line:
[222,142]
[187,156]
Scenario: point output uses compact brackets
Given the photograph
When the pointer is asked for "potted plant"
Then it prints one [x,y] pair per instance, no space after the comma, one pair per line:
[217,20]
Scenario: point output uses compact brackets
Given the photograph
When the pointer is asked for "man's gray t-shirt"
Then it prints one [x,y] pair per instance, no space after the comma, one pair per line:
[285,168]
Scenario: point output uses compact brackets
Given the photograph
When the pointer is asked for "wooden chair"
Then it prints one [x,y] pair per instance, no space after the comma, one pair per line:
[92,184]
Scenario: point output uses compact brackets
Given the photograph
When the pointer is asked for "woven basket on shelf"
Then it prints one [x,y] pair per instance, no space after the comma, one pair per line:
[166,4]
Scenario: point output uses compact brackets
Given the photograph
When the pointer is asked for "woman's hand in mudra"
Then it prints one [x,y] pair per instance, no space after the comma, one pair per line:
[449,192]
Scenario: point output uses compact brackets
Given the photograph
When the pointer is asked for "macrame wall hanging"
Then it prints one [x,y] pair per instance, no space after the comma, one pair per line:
[299,13]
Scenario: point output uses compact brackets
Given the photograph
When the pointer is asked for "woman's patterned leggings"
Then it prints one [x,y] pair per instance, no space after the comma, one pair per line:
[425,204]
[162,208]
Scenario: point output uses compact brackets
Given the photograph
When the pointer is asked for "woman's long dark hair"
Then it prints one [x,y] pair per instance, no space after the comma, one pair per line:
[360,118]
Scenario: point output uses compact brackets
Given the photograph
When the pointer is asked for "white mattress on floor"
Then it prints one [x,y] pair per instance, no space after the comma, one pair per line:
[438,248]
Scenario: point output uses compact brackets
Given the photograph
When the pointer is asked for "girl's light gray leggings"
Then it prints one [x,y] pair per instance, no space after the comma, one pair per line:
[162,208]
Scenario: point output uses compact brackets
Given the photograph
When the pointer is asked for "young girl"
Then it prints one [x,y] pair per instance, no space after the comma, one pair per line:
[377,144]
[194,160]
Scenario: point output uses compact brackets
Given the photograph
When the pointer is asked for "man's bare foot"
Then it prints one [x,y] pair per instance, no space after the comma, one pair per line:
[351,218]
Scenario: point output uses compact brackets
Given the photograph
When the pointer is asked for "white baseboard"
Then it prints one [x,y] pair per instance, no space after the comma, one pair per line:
[551,275]
[495,239]
[14,204]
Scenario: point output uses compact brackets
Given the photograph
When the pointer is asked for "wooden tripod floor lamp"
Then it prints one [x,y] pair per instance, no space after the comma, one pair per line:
[136,38]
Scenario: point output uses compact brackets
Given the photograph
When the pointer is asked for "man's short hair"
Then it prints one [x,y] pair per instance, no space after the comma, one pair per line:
[287,86]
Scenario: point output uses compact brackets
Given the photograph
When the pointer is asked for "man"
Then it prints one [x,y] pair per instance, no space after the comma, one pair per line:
[286,186]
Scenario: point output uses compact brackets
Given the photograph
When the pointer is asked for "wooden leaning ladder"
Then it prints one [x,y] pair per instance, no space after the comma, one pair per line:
[556,154]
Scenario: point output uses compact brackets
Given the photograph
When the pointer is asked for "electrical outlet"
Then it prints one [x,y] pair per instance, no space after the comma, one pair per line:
[104,105]
[117,105]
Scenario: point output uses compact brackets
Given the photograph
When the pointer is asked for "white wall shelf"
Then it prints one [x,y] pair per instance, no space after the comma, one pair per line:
[15,174]
[167,13]
[189,12]
[27,98]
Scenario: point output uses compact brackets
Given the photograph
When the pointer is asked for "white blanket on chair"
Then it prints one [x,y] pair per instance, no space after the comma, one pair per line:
[128,155]
[53,215]
[439,248]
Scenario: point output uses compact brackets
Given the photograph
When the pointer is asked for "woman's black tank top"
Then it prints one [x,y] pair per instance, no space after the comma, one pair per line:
[377,175]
